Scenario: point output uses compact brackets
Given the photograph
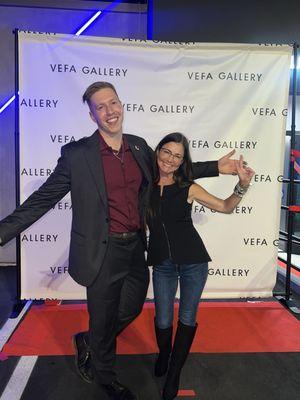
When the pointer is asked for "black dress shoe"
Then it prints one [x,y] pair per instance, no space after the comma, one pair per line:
[116,391]
[82,357]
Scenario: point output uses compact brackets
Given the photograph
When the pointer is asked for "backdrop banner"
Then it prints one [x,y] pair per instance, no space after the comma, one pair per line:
[221,96]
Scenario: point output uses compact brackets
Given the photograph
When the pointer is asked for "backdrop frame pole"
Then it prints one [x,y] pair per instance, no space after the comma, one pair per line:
[286,300]
[19,304]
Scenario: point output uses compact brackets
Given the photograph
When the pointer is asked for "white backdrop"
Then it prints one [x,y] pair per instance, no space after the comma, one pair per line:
[221,96]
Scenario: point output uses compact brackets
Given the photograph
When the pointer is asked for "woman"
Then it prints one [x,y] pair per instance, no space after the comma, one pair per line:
[177,251]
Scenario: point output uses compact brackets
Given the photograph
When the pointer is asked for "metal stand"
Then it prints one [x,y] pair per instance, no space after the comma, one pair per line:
[19,304]
[291,209]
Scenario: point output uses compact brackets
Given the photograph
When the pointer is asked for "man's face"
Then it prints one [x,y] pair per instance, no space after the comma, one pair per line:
[107,111]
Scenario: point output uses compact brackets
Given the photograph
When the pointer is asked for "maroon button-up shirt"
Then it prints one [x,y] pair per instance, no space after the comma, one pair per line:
[123,179]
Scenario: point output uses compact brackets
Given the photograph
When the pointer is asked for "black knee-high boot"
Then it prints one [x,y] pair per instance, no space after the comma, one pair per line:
[164,343]
[182,344]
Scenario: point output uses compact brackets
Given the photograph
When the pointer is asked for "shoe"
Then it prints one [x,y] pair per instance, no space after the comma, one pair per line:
[82,357]
[116,391]
[183,341]
[164,343]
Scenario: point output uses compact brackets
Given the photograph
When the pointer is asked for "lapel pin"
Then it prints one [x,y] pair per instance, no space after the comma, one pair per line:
[136,147]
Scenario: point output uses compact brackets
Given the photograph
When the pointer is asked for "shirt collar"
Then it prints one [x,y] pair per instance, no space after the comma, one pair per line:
[105,146]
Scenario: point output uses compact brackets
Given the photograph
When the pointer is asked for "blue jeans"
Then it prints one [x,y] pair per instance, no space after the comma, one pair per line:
[192,279]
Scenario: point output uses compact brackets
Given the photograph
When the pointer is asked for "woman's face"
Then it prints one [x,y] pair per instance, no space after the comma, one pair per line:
[170,157]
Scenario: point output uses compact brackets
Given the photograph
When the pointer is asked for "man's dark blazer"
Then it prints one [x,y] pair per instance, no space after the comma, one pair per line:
[79,170]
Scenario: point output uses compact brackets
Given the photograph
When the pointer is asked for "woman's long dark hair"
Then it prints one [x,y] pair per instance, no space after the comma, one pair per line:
[182,176]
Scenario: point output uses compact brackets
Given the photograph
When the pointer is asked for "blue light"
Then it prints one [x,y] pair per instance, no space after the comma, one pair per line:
[88,23]
[7,103]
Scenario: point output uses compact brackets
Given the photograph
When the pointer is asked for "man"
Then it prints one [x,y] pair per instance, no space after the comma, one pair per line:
[109,175]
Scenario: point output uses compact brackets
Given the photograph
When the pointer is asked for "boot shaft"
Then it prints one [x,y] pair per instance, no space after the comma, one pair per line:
[164,343]
[183,341]
[164,338]
[182,344]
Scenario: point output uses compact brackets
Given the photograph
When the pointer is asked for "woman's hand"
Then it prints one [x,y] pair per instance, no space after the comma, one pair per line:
[244,172]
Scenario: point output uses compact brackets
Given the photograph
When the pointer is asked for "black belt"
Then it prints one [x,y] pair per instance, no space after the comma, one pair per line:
[123,235]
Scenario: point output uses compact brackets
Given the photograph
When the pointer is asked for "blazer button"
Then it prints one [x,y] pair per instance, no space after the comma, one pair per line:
[104,241]
[107,220]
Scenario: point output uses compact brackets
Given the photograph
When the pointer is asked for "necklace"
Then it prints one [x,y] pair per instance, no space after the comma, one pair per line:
[117,153]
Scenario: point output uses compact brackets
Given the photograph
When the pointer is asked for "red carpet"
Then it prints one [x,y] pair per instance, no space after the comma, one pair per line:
[224,327]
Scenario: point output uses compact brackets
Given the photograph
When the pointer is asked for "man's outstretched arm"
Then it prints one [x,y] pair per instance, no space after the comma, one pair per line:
[206,169]
[38,203]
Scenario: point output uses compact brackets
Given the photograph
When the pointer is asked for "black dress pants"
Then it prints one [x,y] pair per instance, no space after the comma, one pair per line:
[114,300]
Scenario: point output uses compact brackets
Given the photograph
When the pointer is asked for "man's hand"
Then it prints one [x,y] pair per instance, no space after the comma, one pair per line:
[226,165]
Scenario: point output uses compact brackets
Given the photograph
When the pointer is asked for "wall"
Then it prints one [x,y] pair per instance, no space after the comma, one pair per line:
[254,21]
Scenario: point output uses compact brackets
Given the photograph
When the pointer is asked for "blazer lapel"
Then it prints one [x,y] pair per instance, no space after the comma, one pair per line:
[93,158]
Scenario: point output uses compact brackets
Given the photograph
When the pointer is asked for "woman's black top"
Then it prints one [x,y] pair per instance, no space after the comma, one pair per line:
[172,233]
